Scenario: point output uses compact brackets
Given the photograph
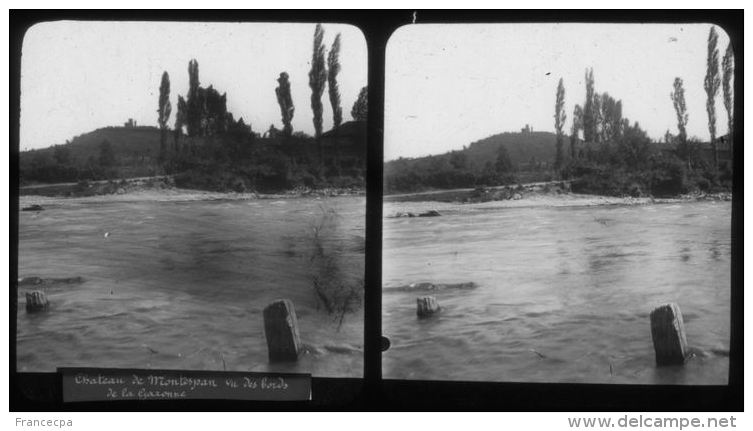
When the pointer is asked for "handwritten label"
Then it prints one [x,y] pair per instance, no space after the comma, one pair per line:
[111,384]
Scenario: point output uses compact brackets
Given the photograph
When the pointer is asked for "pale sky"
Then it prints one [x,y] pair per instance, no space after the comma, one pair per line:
[80,76]
[449,85]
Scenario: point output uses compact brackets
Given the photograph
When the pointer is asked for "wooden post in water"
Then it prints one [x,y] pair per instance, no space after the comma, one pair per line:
[36,301]
[281,330]
[426,306]
[668,334]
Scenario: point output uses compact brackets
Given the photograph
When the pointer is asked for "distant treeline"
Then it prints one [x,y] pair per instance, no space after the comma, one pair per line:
[241,162]
[447,171]
[230,161]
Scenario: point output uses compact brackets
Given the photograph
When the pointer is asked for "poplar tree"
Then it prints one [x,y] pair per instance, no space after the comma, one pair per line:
[360,111]
[333,64]
[559,123]
[728,70]
[576,127]
[180,122]
[163,114]
[589,113]
[285,101]
[317,79]
[194,104]
[678,100]
[596,118]
[711,85]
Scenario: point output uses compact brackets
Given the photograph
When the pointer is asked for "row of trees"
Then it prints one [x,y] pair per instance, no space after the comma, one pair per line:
[202,113]
[686,149]
[204,110]
[711,85]
[600,119]
[323,73]
[612,146]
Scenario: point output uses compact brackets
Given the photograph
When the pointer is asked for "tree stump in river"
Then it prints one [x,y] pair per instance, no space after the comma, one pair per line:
[36,301]
[668,334]
[426,306]
[281,330]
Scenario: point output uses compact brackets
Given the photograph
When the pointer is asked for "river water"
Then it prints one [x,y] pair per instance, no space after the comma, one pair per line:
[182,284]
[563,294]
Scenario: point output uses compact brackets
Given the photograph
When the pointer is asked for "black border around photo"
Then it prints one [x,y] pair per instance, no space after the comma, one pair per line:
[42,391]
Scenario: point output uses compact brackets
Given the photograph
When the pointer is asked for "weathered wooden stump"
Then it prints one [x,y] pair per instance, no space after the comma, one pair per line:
[668,333]
[281,330]
[426,306]
[36,301]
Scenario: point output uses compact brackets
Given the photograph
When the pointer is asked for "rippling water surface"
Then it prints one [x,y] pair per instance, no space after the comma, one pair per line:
[183,284]
[563,295]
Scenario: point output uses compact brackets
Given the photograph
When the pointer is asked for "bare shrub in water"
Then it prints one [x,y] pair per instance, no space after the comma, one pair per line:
[333,289]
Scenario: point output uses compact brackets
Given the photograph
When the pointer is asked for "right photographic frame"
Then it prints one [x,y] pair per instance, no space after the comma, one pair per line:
[557,203]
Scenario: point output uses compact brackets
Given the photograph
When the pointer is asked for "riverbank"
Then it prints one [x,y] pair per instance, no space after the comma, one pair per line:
[553,193]
[534,195]
[540,194]
[155,189]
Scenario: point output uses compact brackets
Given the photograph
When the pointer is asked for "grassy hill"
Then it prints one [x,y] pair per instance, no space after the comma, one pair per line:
[134,151]
[520,146]
[530,156]
[127,142]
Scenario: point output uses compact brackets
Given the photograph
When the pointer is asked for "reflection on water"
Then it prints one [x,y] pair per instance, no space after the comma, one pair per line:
[183,284]
[564,294]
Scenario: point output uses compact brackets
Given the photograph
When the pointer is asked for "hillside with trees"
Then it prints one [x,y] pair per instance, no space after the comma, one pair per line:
[602,153]
[503,158]
[110,152]
[208,148]
[618,158]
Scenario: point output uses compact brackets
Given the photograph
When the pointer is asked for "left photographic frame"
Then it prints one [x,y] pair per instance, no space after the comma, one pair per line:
[184,184]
